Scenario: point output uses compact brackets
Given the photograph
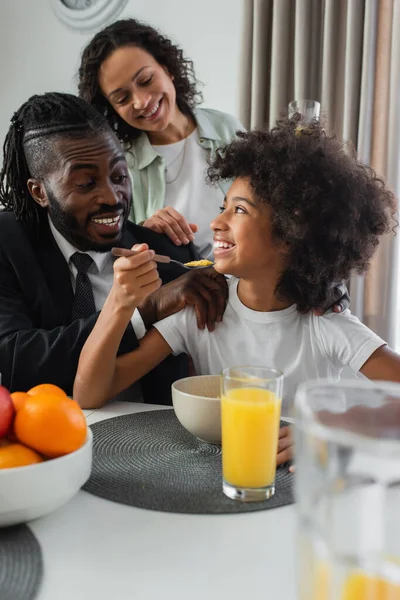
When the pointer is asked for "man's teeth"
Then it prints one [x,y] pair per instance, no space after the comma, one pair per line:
[226,245]
[151,112]
[107,221]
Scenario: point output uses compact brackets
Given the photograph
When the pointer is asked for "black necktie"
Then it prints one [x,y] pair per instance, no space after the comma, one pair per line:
[83,305]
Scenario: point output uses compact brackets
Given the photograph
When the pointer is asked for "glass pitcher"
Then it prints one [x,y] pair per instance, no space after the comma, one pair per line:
[348,490]
[308,109]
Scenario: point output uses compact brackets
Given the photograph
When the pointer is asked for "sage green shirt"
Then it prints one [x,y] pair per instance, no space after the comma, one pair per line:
[147,168]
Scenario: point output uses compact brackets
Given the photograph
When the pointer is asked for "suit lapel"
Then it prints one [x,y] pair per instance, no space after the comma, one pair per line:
[128,239]
[56,273]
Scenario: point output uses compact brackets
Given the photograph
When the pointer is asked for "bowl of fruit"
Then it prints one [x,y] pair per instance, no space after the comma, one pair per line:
[45,452]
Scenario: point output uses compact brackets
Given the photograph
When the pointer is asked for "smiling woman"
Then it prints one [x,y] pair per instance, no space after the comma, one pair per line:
[148,91]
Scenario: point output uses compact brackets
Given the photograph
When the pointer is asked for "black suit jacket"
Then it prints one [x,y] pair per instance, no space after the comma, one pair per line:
[38,341]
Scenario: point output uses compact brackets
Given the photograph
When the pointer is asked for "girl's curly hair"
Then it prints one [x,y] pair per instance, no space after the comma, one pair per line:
[327,207]
[130,32]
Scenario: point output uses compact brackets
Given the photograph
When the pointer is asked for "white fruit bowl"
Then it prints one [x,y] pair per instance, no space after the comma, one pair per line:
[197,406]
[33,491]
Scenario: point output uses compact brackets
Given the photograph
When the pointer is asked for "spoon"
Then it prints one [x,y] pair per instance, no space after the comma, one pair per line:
[160,258]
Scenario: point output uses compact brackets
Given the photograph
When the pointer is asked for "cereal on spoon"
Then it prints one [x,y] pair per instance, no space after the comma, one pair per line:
[199,263]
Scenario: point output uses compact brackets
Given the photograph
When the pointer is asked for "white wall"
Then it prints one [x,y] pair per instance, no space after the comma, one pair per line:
[39,54]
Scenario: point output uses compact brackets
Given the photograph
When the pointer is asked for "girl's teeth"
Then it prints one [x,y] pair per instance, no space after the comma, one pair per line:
[225,245]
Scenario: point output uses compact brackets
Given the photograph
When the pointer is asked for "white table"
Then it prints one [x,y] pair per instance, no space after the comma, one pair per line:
[100,550]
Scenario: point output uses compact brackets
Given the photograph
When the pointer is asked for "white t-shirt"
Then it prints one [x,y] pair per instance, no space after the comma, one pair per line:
[187,190]
[303,347]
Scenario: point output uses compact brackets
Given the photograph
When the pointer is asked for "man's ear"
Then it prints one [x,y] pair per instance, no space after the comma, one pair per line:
[38,192]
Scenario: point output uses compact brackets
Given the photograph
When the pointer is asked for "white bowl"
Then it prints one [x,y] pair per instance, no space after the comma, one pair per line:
[35,490]
[197,406]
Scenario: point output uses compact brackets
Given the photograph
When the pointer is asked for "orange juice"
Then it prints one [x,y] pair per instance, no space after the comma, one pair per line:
[357,586]
[360,586]
[250,429]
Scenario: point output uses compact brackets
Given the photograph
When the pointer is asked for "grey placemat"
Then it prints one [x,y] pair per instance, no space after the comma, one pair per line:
[150,461]
[21,565]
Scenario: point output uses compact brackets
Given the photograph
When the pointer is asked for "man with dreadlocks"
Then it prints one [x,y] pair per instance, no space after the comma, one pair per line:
[66,195]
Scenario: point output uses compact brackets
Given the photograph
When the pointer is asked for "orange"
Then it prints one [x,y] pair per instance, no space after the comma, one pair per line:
[17,455]
[18,398]
[51,425]
[47,388]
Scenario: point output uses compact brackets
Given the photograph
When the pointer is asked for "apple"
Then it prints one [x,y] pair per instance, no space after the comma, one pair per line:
[7,411]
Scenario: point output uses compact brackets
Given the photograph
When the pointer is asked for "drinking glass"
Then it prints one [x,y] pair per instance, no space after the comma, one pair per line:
[250,412]
[308,109]
[348,490]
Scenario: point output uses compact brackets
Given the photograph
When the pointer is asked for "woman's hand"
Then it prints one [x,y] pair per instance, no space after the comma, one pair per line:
[135,278]
[168,221]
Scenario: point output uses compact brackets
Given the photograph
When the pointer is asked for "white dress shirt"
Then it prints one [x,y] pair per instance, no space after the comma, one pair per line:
[101,276]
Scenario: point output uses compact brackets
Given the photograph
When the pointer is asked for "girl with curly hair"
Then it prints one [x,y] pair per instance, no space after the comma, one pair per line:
[300,214]
[148,91]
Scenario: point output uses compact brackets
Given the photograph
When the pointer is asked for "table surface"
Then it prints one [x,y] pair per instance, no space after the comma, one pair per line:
[97,549]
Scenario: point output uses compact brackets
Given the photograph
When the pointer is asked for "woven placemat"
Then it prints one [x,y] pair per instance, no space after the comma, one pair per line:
[149,460]
[21,564]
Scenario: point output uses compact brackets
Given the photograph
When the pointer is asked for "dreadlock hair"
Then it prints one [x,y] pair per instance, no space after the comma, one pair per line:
[28,149]
[130,32]
[327,208]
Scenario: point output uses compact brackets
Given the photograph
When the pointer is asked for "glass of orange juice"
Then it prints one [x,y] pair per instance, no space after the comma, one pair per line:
[348,490]
[250,412]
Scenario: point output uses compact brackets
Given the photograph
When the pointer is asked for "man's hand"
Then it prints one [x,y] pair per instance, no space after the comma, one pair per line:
[204,289]
[339,302]
[170,222]
[285,445]
[135,277]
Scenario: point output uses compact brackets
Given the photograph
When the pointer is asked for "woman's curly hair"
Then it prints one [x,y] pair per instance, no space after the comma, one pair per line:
[130,32]
[328,208]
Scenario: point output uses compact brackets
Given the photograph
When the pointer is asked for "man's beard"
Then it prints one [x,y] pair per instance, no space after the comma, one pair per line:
[69,227]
